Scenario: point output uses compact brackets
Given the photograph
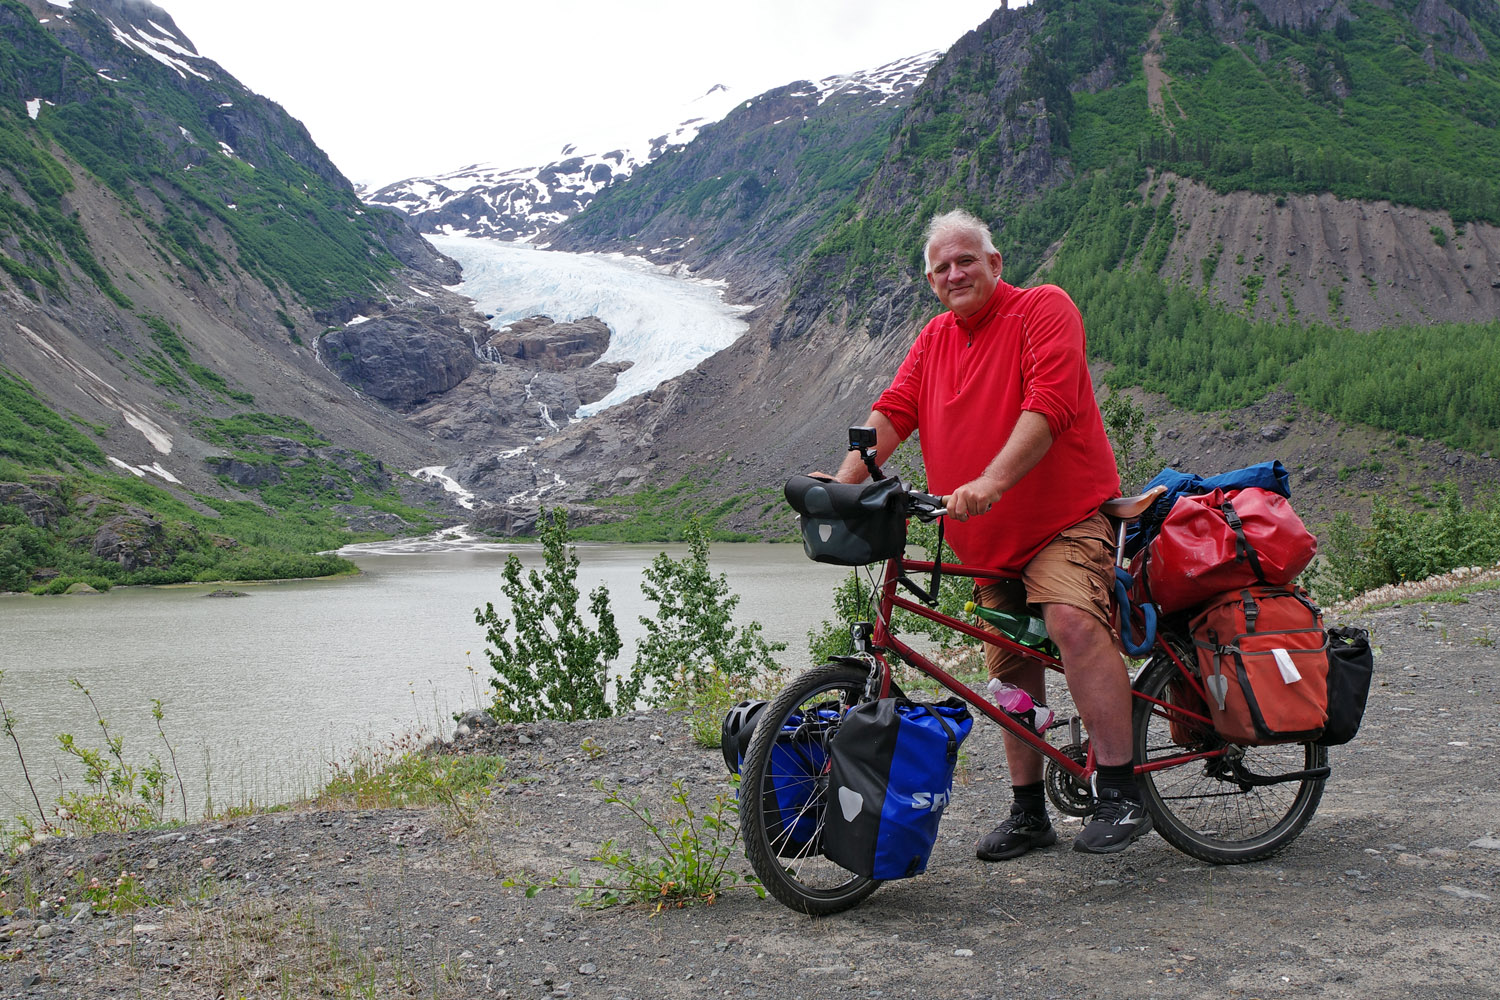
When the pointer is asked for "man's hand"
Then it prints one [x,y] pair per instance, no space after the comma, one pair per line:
[974,497]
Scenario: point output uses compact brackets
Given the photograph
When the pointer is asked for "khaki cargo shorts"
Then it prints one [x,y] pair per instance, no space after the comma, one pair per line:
[1077,568]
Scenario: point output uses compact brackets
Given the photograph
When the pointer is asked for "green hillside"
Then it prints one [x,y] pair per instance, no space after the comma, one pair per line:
[1367,106]
[155,137]
[226,191]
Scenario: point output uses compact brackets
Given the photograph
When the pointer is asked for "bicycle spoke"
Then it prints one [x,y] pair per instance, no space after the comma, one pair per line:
[1202,806]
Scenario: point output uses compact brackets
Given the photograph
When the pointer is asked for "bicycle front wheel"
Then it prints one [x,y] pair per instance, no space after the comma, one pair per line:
[1242,805]
[784,787]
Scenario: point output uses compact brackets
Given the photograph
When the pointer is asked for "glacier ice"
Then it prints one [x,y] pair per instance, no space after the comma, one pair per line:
[663,324]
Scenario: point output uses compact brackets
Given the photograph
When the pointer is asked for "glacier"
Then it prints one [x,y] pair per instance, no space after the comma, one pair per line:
[664,324]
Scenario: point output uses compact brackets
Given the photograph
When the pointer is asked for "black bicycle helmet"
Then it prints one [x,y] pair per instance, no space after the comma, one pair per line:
[739,722]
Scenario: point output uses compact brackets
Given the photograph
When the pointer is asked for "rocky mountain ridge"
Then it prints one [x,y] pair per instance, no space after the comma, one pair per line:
[518,203]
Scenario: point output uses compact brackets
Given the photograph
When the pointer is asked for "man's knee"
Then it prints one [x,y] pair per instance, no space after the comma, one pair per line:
[1074,628]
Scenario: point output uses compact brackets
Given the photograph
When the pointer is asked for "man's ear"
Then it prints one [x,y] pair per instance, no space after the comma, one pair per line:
[931,282]
[997,262]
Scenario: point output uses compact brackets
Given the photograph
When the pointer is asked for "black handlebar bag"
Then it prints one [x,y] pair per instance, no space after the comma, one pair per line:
[849,524]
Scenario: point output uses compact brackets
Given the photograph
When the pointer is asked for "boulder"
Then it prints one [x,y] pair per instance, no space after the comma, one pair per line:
[539,342]
[244,473]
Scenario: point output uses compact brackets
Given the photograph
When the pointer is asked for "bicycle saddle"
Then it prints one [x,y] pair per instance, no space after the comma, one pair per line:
[1130,508]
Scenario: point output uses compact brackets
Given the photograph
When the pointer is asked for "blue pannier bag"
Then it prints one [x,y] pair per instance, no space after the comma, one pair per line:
[891,772]
[799,760]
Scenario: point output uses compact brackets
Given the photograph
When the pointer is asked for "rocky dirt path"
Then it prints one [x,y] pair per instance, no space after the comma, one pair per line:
[1393,890]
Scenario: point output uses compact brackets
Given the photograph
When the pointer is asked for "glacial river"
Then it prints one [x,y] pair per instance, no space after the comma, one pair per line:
[262,692]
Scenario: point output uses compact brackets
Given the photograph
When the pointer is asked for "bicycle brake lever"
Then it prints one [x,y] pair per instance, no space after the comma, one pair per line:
[926,506]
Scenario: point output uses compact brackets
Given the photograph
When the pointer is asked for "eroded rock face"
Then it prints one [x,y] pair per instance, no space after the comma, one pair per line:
[41,510]
[1454,34]
[400,359]
[133,539]
[540,342]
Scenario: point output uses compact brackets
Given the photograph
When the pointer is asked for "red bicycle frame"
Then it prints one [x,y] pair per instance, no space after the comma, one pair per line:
[883,640]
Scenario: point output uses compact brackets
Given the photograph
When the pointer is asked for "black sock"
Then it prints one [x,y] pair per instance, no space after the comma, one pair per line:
[1031,798]
[1120,777]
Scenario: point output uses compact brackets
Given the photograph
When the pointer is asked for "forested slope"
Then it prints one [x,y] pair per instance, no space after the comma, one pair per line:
[1288,200]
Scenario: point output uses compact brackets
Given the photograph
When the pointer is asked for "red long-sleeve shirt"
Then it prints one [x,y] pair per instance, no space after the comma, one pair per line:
[965,382]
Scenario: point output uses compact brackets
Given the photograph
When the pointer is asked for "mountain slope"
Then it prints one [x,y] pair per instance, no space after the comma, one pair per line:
[516,203]
[762,173]
[171,246]
[1268,204]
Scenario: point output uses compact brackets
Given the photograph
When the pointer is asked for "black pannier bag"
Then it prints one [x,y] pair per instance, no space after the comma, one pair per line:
[849,524]
[1351,664]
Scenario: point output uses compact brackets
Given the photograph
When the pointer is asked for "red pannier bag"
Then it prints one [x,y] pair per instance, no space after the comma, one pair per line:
[1263,658]
[1216,542]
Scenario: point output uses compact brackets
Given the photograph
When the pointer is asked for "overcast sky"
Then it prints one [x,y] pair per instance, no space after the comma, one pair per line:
[393,90]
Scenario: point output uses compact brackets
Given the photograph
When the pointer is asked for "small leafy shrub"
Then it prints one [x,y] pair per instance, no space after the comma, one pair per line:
[548,662]
[688,863]
[399,776]
[1401,545]
[708,703]
[118,794]
[126,893]
[691,643]
[1133,438]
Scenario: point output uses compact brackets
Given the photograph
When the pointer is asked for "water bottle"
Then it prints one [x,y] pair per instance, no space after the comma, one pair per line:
[1028,630]
[1018,705]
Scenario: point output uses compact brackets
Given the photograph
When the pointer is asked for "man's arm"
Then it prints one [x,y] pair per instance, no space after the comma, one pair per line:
[886,439]
[1028,442]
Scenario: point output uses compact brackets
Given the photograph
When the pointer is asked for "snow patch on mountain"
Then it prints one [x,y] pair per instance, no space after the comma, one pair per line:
[517,203]
[163,47]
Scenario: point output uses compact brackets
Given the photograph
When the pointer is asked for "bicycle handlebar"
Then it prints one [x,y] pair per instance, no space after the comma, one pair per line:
[925,506]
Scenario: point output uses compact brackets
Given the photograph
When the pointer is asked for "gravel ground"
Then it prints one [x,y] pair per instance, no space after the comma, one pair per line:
[1392,891]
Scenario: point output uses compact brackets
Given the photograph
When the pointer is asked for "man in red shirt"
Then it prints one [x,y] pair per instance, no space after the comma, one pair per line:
[1000,389]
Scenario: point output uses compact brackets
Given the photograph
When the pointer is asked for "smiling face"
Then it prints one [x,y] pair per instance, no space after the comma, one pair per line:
[961,273]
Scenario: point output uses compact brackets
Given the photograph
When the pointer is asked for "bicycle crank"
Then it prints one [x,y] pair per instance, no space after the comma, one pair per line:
[1069,794]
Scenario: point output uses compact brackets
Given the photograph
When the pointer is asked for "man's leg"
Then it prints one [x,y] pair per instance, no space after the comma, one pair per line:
[1071,579]
[1027,827]
[1097,679]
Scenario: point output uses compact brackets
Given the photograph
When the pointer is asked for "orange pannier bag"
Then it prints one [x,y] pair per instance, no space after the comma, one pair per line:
[1263,658]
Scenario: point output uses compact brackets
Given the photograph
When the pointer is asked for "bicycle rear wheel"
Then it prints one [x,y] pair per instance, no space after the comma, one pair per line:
[783,789]
[1243,805]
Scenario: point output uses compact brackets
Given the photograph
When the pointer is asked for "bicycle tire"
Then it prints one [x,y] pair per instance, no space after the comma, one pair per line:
[785,854]
[1200,807]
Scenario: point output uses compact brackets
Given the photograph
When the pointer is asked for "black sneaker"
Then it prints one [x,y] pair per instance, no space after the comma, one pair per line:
[1020,833]
[1118,821]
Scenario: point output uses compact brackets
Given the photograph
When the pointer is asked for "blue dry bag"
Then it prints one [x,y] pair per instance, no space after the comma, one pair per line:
[890,776]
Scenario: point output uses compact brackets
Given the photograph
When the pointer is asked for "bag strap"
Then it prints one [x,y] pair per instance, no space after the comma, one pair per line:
[1242,547]
[928,597]
[952,733]
[1252,610]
